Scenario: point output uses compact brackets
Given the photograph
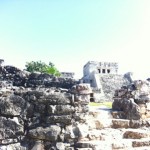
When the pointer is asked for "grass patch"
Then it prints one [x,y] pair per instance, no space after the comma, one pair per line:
[107,104]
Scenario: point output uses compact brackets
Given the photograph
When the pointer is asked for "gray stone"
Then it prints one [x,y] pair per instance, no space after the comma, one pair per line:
[12,105]
[10,128]
[66,119]
[61,109]
[48,133]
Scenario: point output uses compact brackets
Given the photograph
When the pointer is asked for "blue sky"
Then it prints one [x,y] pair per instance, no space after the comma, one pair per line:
[71,32]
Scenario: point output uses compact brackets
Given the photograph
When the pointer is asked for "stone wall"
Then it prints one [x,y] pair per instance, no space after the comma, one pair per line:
[36,112]
[18,77]
[133,100]
[41,118]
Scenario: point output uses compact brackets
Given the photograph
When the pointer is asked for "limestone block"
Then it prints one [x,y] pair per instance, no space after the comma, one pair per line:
[121,145]
[141,142]
[95,135]
[65,119]
[58,98]
[120,123]
[95,145]
[81,89]
[84,98]
[60,109]
[135,123]
[10,128]
[80,117]
[13,105]
[118,114]
[135,134]
[60,146]
[48,133]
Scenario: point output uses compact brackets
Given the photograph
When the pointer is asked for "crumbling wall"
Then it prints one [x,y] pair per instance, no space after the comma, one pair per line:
[133,100]
[41,117]
[36,112]
[26,79]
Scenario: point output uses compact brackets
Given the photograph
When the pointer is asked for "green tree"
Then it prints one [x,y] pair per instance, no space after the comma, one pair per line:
[42,67]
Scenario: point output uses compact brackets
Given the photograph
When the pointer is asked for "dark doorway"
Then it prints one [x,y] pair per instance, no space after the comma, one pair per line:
[103,70]
[108,70]
[99,70]
[91,97]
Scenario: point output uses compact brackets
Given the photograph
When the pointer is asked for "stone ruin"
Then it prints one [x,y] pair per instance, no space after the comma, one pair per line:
[17,77]
[36,113]
[42,118]
[133,101]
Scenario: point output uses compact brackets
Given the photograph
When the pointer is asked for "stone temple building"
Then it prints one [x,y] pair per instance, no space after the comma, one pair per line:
[92,68]
[103,78]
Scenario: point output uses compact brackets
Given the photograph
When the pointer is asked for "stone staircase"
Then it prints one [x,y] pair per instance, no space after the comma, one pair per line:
[107,132]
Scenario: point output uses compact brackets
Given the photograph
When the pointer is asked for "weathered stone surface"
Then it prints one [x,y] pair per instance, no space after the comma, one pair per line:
[59,98]
[10,128]
[80,116]
[71,132]
[60,109]
[16,146]
[66,119]
[135,134]
[121,145]
[82,88]
[96,145]
[60,146]
[133,100]
[111,82]
[38,145]
[12,105]
[48,133]
[136,123]
[141,143]
[118,114]
[120,123]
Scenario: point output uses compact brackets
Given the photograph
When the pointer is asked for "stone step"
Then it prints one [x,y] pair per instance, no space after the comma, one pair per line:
[115,144]
[110,133]
[120,123]
[94,145]
[106,134]
[118,114]
[101,113]
[108,123]
[141,142]
[106,145]
[135,133]
[141,148]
